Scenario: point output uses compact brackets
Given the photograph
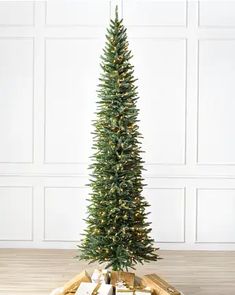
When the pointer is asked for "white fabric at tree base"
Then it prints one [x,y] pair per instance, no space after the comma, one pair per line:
[88,288]
[58,291]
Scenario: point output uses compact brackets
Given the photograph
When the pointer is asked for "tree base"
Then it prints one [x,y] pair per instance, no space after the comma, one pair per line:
[121,282]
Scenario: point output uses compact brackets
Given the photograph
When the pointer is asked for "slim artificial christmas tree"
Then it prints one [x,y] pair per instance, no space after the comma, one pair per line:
[117,229]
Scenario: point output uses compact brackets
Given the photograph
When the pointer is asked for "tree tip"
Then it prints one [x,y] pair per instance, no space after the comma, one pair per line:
[116,11]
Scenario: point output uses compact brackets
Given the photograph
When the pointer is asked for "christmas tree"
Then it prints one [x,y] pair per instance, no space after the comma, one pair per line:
[117,228]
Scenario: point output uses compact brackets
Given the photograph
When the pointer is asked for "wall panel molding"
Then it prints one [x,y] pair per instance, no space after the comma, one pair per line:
[184,40]
[16,38]
[145,17]
[183,196]
[179,162]
[66,11]
[45,217]
[197,233]
[207,163]
[8,12]
[31,214]
[45,97]
[216,14]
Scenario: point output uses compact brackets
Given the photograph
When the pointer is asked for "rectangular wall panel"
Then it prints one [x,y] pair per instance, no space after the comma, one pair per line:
[65,209]
[215,216]
[78,13]
[161,69]
[155,13]
[216,13]
[16,216]
[18,13]
[16,99]
[72,67]
[167,214]
[216,104]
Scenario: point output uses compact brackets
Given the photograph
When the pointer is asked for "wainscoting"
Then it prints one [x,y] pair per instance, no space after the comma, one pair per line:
[49,68]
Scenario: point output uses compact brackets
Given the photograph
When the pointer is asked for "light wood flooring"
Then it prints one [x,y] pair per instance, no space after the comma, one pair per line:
[37,272]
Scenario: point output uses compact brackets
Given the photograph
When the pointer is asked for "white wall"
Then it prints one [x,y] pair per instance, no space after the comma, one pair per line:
[184,56]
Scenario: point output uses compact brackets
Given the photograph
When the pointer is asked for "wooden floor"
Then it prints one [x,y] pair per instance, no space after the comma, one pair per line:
[37,272]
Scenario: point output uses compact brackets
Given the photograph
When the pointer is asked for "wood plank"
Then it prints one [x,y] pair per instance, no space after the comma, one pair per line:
[37,272]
